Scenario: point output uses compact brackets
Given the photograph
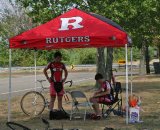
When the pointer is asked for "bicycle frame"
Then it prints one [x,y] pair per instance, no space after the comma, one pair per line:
[65,92]
[43,88]
[39,95]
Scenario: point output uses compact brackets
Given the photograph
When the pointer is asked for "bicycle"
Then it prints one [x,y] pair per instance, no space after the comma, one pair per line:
[17,126]
[33,103]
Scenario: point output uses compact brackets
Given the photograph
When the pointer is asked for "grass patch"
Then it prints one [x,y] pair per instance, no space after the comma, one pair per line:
[147,87]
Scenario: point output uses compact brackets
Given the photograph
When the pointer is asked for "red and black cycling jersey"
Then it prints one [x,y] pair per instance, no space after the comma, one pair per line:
[56,69]
[107,86]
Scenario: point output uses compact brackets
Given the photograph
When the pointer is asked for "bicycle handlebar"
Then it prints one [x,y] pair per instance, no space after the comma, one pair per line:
[41,81]
[114,70]
[70,81]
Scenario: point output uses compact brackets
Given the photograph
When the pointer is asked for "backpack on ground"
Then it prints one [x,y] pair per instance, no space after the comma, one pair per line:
[58,115]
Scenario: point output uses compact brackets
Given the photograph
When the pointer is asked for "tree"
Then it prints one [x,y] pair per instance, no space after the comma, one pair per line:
[157,45]
[141,19]
[13,21]
[109,63]
[145,26]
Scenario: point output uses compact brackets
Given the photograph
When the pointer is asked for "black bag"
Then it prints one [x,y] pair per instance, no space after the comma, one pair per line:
[58,115]
[58,86]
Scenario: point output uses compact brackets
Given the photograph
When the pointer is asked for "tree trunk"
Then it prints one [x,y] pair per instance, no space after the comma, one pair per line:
[159,53]
[100,62]
[109,63]
[104,64]
[142,60]
[147,58]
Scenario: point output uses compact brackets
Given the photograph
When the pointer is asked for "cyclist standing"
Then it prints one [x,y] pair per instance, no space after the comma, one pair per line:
[56,80]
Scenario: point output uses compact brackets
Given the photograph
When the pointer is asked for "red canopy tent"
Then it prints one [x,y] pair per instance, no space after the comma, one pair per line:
[73,29]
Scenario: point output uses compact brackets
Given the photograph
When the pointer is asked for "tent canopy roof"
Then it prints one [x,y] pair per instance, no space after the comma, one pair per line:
[73,29]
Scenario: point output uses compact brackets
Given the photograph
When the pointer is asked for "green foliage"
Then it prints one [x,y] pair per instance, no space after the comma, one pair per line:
[71,56]
[42,11]
[3,53]
[119,54]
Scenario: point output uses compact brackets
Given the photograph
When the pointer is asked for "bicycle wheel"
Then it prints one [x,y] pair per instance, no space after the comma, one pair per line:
[16,126]
[33,103]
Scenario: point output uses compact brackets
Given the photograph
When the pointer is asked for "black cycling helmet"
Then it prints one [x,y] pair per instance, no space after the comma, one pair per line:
[57,54]
[98,76]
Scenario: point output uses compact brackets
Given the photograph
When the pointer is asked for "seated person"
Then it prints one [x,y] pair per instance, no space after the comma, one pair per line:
[103,95]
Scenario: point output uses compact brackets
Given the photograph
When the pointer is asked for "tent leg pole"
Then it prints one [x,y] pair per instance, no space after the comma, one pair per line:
[131,70]
[10,85]
[35,70]
[127,109]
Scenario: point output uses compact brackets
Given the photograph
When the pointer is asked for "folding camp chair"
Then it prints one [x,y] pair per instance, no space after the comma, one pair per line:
[116,103]
[79,99]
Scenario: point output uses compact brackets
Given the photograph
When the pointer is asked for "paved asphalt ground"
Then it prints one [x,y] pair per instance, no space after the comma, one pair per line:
[21,84]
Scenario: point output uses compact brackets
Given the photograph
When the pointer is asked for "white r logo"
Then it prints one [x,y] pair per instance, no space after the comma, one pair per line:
[66,22]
